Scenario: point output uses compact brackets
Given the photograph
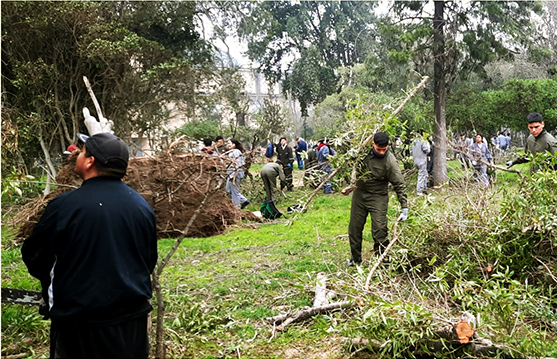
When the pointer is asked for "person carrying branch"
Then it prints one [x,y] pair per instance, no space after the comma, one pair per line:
[94,250]
[539,141]
[378,169]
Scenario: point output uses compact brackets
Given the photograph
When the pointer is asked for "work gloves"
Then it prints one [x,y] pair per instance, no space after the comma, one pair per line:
[404,215]
[510,164]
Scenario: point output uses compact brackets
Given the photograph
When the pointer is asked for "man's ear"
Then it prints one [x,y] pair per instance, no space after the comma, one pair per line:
[89,162]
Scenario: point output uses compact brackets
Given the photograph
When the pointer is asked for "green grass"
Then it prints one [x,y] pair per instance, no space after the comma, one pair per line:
[219,289]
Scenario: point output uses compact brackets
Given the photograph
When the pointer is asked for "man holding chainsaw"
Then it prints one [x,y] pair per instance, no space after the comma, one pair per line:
[93,250]
[379,168]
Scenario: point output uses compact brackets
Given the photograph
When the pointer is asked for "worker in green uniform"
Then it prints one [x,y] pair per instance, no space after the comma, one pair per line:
[539,141]
[379,168]
[269,174]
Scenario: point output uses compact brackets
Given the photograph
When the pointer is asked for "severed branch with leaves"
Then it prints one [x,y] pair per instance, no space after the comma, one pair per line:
[361,150]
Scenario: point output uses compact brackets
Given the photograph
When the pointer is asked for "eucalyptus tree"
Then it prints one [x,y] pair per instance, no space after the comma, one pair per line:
[303,43]
[138,56]
[458,39]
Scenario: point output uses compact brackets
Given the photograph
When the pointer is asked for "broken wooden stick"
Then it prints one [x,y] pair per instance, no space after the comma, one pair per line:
[321,292]
[320,305]
[94,126]
[467,151]
[380,259]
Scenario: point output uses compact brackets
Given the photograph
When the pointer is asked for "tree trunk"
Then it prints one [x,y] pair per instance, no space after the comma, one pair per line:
[440,136]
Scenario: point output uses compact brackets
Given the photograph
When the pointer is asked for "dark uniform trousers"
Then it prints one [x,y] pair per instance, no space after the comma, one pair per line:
[364,203]
[81,340]
[289,180]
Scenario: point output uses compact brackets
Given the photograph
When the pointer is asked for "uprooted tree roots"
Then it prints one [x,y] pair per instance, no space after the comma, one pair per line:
[174,185]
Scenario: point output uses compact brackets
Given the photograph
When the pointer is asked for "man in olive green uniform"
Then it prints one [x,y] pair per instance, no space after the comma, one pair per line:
[372,196]
[269,174]
[539,141]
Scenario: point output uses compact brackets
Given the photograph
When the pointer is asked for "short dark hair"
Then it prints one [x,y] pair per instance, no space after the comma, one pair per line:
[207,142]
[218,138]
[381,139]
[535,117]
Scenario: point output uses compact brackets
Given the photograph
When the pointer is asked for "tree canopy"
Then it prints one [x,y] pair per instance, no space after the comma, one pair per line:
[138,56]
[304,43]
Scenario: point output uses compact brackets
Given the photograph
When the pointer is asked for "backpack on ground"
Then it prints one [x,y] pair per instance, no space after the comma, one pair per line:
[269,210]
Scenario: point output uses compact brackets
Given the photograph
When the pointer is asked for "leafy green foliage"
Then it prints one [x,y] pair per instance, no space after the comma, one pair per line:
[138,56]
[508,107]
[321,36]
[200,130]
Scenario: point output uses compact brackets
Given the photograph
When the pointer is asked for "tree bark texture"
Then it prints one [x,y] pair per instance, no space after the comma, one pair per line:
[439,97]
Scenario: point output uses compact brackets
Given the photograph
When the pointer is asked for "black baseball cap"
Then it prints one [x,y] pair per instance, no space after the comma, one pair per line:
[108,149]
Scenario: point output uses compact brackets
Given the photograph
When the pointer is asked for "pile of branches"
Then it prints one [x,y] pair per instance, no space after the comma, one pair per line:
[174,185]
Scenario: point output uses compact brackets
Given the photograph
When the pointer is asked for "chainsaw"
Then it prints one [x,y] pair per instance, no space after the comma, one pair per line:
[26,297]
[22,296]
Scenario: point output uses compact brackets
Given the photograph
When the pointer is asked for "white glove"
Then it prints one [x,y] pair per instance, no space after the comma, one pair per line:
[93,126]
[404,215]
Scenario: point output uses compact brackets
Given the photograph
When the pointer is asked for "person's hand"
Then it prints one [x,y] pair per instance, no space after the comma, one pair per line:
[404,215]
[510,164]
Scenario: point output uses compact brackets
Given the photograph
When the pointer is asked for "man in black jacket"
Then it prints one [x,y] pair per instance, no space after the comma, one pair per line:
[93,250]
[286,157]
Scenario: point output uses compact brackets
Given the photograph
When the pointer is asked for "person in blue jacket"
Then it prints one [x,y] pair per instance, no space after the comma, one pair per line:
[324,151]
[94,250]
[301,147]
[270,152]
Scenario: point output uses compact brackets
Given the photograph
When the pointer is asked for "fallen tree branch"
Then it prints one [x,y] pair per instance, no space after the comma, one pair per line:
[16,356]
[504,169]
[380,259]
[362,147]
[347,190]
[310,312]
[320,305]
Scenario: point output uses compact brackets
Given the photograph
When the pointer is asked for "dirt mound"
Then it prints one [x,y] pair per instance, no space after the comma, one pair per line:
[176,186]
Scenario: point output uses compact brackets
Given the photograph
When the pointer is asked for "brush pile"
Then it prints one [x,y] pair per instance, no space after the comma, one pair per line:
[174,185]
